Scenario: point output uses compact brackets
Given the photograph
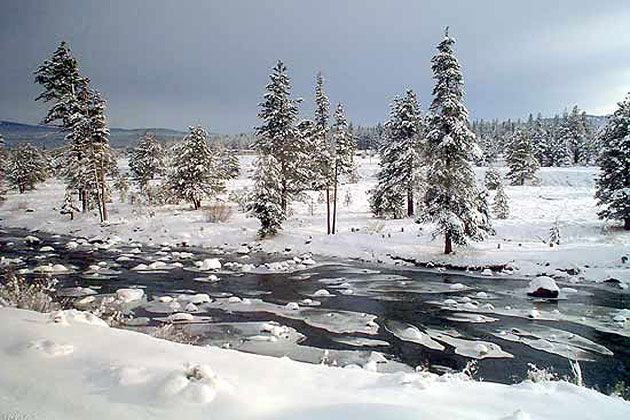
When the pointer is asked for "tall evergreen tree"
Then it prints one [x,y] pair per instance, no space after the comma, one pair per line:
[279,137]
[26,167]
[195,173]
[558,153]
[521,160]
[452,197]
[267,205]
[577,136]
[492,178]
[147,160]
[613,182]
[539,137]
[400,158]
[344,147]
[3,162]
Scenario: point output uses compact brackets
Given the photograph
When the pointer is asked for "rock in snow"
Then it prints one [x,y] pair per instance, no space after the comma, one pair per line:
[209,264]
[129,295]
[543,287]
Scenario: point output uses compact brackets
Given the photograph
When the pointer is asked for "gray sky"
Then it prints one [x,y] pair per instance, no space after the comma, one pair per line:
[182,62]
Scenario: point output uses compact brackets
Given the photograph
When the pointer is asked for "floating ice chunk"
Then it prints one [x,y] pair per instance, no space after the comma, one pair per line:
[191,307]
[487,272]
[85,301]
[457,286]
[180,317]
[129,295]
[308,261]
[72,245]
[322,292]
[408,332]
[243,249]
[234,299]
[292,306]
[200,298]
[209,264]
[31,239]
[165,299]
[140,267]
[481,295]
[47,249]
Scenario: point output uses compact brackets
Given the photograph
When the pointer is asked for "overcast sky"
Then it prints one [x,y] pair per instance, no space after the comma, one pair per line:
[176,63]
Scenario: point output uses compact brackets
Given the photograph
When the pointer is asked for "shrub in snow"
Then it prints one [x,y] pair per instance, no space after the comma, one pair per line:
[177,333]
[70,205]
[26,167]
[218,212]
[147,161]
[537,375]
[36,295]
[242,198]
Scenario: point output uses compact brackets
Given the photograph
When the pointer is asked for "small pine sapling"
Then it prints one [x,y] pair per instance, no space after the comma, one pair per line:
[492,178]
[347,199]
[554,234]
[500,205]
[69,205]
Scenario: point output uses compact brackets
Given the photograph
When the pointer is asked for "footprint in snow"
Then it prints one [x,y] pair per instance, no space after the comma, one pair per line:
[48,348]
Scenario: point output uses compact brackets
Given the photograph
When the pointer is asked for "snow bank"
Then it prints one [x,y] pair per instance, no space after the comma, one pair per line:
[80,371]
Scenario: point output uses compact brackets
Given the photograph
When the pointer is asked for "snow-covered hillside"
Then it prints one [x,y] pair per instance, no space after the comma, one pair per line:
[76,368]
[564,195]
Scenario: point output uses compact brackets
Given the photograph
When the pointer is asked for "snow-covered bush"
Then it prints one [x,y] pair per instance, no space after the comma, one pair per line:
[175,333]
[375,227]
[242,198]
[218,212]
[36,295]
[536,374]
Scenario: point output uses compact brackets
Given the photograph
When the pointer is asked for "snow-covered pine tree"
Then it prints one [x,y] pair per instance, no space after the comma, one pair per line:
[60,79]
[577,136]
[452,198]
[26,167]
[613,182]
[195,173]
[147,161]
[539,137]
[229,166]
[492,178]
[3,162]
[558,153]
[400,159]
[69,204]
[80,111]
[554,234]
[500,205]
[279,137]
[344,147]
[483,212]
[520,159]
[267,204]
[322,147]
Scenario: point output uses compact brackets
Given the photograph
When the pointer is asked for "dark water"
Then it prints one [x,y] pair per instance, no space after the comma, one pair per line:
[394,296]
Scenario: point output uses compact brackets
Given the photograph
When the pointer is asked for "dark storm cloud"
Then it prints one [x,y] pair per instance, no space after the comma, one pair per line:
[175,63]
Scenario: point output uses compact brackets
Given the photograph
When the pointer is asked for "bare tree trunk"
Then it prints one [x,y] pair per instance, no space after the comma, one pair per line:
[410,200]
[626,223]
[103,197]
[334,217]
[327,210]
[448,246]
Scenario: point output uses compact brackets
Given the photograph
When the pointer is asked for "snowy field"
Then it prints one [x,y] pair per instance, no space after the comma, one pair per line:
[70,366]
[588,246]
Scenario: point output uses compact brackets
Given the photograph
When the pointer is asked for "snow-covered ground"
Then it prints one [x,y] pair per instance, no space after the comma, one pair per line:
[564,194]
[70,366]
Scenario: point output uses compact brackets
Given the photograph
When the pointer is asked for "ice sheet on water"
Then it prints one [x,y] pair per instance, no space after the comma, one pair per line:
[472,318]
[475,349]
[360,341]
[408,332]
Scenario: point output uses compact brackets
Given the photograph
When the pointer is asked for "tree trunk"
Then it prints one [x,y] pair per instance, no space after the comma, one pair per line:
[103,198]
[626,223]
[283,200]
[448,246]
[71,215]
[409,201]
[84,201]
[334,217]
[327,211]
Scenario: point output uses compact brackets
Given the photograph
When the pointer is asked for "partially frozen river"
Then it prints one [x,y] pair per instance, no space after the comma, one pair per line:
[342,312]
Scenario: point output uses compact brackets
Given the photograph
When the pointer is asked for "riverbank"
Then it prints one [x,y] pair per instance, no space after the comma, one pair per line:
[589,249]
[77,369]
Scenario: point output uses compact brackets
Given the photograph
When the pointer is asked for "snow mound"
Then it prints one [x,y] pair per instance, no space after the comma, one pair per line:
[197,384]
[544,287]
[322,292]
[49,348]
[180,317]
[47,249]
[73,316]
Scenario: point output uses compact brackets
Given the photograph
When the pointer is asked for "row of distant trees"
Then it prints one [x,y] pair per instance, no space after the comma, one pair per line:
[426,166]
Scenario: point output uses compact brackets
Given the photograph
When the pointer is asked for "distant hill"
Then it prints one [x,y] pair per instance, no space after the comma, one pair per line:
[50,137]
